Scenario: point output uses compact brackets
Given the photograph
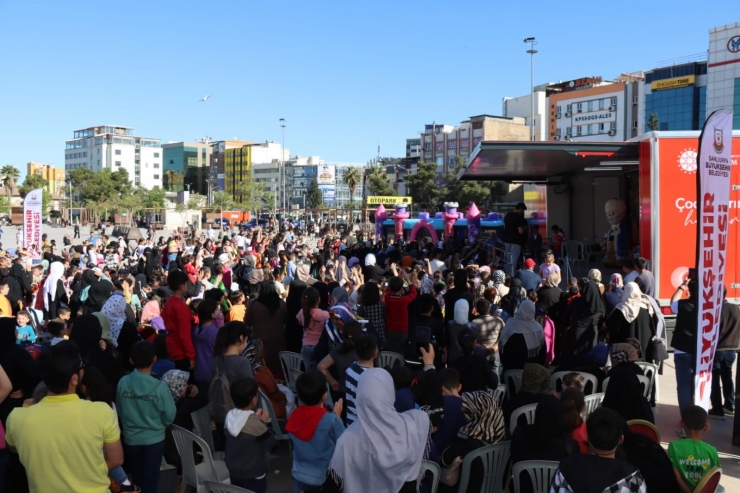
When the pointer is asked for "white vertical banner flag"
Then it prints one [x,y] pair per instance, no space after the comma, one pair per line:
[32,218]
[713,200]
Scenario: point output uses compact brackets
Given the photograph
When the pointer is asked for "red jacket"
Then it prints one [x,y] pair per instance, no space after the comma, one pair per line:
[177,320]
[397,310]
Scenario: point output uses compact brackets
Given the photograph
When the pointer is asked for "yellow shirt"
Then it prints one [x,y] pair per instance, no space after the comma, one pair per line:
[5,309]
[60,443]
[236,312]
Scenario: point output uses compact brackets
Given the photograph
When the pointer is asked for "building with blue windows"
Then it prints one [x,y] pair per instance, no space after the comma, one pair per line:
[676,96]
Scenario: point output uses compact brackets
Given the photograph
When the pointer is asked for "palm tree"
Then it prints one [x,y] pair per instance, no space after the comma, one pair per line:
[352,178]
[10,176]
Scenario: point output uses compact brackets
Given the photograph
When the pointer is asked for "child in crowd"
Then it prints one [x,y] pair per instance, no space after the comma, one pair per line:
[366,348]
[248,439]
[145,408]
[397,313]
[64,314]
[314,431]
[403,377]
[6,310]
[204,337]
[341,357]
[453,418]
[164,363]
[23,331]
[691,457]
[574,404]
[312,319]
[59,331]
[238,309]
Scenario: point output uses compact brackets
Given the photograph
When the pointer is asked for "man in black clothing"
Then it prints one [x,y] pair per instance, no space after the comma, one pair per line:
[727,345]
[425,304]
[645,279]
[515,236]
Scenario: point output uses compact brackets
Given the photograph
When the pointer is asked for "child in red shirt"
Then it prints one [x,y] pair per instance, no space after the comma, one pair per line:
[397,314]
[178,322]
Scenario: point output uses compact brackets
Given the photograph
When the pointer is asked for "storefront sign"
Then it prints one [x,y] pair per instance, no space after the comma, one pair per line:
[577,84]
[387,199]
[733,44]
[32,211]
[714,168]
[673,83]
[326,175]
[593,117]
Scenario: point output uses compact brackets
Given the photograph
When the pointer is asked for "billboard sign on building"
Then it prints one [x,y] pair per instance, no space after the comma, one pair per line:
[32,218]
[329,192]
[673,83]
[388,200]
[327,175]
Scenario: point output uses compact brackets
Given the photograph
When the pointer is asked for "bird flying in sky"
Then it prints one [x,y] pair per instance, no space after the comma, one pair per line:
[205,98]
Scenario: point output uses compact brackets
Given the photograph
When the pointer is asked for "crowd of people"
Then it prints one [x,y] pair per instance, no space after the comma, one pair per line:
[106,343]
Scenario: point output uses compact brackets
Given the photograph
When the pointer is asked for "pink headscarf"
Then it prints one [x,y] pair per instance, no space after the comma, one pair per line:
[151,310]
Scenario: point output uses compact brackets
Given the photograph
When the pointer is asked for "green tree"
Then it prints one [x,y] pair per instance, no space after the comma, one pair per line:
[10,176]
[154,198]
[194,203]
[377,182]
[253,196]
[465,192]
[4,205]
[32,182]
[423,186]
[352,177]
[314,197]
[222,201]
[653,122]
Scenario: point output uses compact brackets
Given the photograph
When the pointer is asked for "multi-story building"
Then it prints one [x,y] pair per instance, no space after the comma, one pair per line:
[54,176]
[674,97]
[237,162]
[588,109]
[186,166]
[443,143]
[413,148]
[300,171]
[115,148]
[522,106]
[216,178]
[723,71]
[259,162]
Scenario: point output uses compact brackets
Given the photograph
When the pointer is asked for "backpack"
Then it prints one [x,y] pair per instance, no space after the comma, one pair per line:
[244,272]
[219,395]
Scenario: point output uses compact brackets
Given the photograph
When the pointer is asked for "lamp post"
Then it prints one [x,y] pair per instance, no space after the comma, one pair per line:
[532,42]
[283,123]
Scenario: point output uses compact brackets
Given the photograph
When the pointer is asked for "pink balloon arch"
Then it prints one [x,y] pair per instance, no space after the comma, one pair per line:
[423,224]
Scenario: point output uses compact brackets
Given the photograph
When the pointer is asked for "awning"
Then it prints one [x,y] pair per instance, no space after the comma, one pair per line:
[543,161]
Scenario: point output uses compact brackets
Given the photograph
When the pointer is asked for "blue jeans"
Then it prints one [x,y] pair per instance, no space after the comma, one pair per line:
[144,462]
[722,373]
[685,371]
[251,484]
[511,256]
[306,353]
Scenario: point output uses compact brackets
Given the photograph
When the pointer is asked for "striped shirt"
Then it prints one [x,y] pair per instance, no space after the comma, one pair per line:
[350,383]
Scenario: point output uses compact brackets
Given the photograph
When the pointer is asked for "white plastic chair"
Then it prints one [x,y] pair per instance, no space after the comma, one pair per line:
[202,423]
[212,487]
[192,474]
[540,472]
[526,411]
[644,384]
[265,404]
[575,251]
[592,402]
[498,394]
[389,359]
[291,364]
[650,370]
[513,378]
[589,378]
[432,467]
[495,458]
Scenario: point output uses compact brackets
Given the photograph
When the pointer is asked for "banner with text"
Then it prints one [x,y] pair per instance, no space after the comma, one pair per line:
[713,200]
[388,200]
[32,218]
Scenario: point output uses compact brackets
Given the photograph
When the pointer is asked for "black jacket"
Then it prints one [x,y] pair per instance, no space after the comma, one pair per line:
[729,327]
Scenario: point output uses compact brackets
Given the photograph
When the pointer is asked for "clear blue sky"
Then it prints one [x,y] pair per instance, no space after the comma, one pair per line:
[345,74]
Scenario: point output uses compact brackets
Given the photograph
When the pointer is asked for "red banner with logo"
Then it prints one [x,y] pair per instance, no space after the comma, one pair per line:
[713,201]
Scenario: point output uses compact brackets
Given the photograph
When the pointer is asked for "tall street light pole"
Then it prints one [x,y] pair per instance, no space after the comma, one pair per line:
[283,123]
[532,42]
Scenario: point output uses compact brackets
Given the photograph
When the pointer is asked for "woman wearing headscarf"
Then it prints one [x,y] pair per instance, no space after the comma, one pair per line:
[623,395]
[511,302]
[54,294]
[342,271]
[485,427]
[331,337]
[455,326]
[632,318]
[498,282]
[20,285]
[458,291]
[20,367]
[373,272]
[594,275]
[383,447]
[264,377]
[536,388]
[583,315]
[294,304]
[97,295]
[339,295]
[623,356]
[123,330]
[549,295]
[87,333]
[522,339]
[542,440]
[613,292]
[267,316]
